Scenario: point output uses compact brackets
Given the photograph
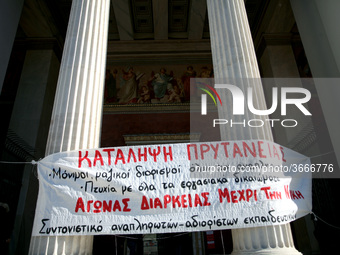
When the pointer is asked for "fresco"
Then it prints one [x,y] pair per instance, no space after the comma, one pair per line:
[152,84]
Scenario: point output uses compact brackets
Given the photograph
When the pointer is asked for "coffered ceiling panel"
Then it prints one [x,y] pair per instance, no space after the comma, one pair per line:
[178,15]
[142,16]
[155,19]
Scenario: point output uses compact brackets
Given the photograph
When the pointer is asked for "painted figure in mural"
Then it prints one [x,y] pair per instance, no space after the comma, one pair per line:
[206,76]
[110,86]
[160,83]
[145,96]
[205,72]
[188,90]
[129,87]
[174,96]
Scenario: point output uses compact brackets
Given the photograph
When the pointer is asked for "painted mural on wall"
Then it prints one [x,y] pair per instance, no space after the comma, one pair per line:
[152,84]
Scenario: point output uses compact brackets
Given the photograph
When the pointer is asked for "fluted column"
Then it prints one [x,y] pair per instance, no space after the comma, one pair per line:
[76,117]
[234,58]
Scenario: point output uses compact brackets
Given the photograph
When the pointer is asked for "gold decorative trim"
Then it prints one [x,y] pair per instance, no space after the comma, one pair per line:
[160,138]
[154,108]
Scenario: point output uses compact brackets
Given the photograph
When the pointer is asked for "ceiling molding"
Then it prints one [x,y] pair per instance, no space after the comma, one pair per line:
[156,108]
[165,51]
[146,108]
[144,139]
[161,46]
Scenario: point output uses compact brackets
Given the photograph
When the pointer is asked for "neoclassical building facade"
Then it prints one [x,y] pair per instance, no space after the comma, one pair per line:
[65,85]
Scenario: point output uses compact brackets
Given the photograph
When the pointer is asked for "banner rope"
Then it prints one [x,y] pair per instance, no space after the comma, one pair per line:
[323,154]
[316,218]
[33,162]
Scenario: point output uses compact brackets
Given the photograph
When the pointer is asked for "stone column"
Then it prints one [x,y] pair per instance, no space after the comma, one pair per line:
[76,117]
[233,58]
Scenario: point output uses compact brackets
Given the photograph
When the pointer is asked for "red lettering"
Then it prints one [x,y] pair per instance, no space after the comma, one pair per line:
[223,194]
[145,204]
[116,206]
[158,203]
[195,149]
[131,153]
[247,148]
[107,206]
[249,194]
[259,143]
[197,200]
[167,200]
[237,150]
[282,154]
[287,191]
[205,196]
[154,153]
[80,205]
[233,196]
[215,149]
[175,199]
[189,199]
[97,206]
[275,152]
[278,195]
[120,156]
[265,189]
[126,205]
[292,194]
[299,195]
[207,148]
[184,201]
[167,153]
[151,203]
[109,154]
[241,192]
[225,149]
[82,158]
[89,205]
[97,157]
[140,155]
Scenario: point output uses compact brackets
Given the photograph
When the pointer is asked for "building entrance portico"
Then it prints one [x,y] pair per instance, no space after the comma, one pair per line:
[124,80]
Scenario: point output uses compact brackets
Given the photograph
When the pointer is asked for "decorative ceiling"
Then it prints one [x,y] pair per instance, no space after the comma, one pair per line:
[151,19]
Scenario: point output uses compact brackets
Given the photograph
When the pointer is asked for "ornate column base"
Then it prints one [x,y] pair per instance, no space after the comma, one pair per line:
[272,251]
[264,240]
[62,245]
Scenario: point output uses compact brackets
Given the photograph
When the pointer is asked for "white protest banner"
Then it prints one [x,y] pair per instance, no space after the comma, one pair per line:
[171,188]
